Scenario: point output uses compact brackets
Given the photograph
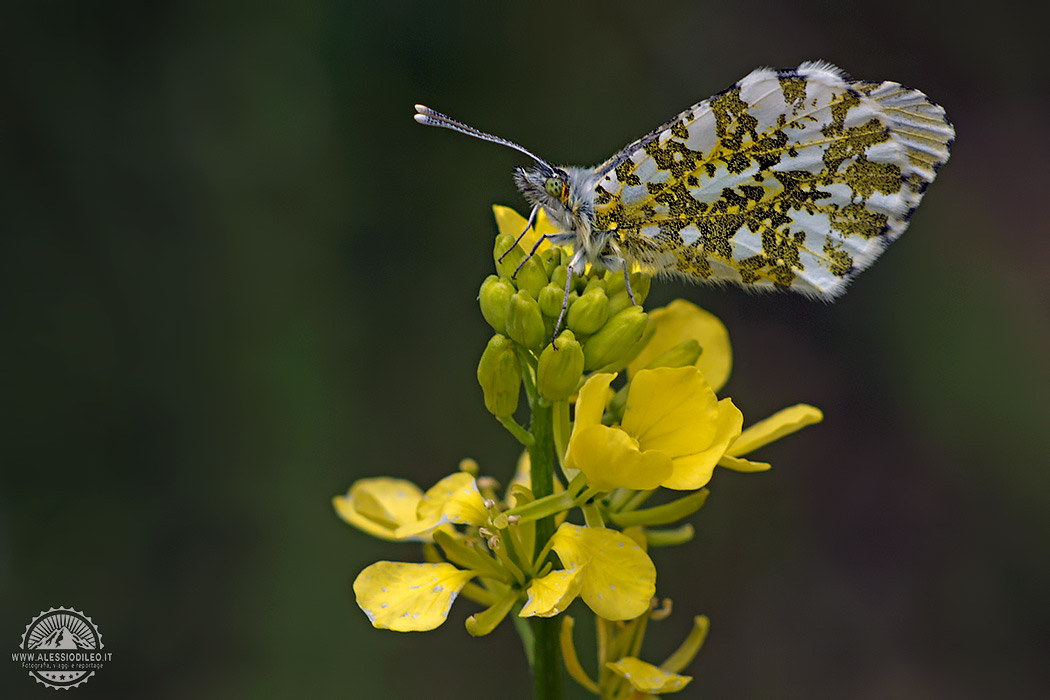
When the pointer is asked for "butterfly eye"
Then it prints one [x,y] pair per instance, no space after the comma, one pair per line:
[554,187]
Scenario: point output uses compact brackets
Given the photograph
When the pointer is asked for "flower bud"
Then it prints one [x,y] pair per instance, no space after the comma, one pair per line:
[589,312]
[619,299]
[524,321]
[494,297]
[618,302]
[531,276]
[595,283]
[550,300]
[613,281]
[641,282]
[548,326]
[499,373]
[559,370]
[558,275]
[505,267]
[610,348]
[550,259]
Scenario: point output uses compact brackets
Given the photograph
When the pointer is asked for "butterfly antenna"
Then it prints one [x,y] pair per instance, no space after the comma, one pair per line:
[427,116]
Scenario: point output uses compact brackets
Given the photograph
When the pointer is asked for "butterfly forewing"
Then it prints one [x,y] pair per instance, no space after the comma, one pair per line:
[793,178]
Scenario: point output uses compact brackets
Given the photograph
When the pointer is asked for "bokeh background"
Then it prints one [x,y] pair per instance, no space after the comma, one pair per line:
[235,277]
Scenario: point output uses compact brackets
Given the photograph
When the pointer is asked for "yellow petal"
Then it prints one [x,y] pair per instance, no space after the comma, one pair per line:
[456,497]
[781,423]
[379,506]
[671,410]
[693,471]
[408,597]
[522,472]
[611,460]
[422,529]
[618,579]
[544,225]
[646,678]
[679,321]
[552,594]
[592,400]
[510,221]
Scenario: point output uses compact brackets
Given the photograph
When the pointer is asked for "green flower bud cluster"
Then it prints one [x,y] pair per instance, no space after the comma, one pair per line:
[602,329]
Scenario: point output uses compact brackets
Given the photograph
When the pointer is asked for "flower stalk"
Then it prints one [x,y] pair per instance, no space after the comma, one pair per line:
[546,666]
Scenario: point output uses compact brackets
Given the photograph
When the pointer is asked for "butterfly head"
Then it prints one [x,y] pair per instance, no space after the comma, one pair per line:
[544,185]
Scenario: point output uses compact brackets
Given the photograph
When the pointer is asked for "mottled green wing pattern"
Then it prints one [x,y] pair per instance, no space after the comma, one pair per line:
[795,179]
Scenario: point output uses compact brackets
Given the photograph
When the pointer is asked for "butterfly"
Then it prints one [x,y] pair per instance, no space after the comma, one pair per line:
[789,179]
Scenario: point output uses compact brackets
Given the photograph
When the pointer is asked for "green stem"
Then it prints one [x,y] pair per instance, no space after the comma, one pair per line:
[541,457]
[551,505]
[522,624]
[546,668]
[592,515]
[523,436]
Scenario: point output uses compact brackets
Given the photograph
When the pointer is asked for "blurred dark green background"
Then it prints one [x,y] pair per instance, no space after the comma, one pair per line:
[236,277]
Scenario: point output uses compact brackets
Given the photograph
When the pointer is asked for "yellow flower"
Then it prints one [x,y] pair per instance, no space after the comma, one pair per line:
[674,431]
[396,509]
[409,597]
[681,321]
[609,570]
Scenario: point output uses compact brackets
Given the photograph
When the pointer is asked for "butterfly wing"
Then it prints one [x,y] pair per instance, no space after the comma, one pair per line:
[792,178]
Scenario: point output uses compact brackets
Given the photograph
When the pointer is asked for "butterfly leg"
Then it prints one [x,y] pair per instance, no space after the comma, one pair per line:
[627,281]
[577,258]
[530,224]
[555,238]
[616,256]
